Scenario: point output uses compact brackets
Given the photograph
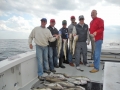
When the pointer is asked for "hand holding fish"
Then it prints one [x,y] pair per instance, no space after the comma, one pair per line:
[64,39]
[94,34]
[74,35]
[91,35]
[57,36]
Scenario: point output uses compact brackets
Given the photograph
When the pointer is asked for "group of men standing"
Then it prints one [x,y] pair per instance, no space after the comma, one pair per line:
[46,42]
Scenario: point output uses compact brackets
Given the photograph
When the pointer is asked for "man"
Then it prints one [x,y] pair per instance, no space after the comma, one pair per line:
[41,37]
[52,51]
[64,35]
[81,29]
[70,28]
[96,31]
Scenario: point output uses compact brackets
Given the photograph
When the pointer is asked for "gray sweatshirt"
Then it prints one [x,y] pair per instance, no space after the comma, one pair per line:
[70,28]
[41,36]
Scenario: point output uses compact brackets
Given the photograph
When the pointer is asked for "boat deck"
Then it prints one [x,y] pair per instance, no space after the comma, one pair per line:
[72,71]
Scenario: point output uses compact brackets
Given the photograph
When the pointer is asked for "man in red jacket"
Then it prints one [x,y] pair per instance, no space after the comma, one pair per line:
[97,32]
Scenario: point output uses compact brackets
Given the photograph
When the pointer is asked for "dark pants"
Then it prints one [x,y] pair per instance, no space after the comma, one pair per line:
[79,46]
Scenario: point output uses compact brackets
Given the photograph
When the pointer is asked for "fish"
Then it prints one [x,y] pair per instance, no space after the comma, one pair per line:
[92,45]
[79,82]
[55,79]
[43,89]
[59,45]
[92,37]
[65,75]
[77,88]
[76,82]
[66,84]
[74,44]
[64,47]
[54,86]
[70,42]
[58,75]
[81,78]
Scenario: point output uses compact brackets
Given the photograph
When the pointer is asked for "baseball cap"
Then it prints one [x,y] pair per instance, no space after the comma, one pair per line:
[52,20]
[81,17]
[64,22]
[72,17]
[44,19]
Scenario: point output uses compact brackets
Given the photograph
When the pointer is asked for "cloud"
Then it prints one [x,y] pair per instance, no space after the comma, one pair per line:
[18,24]
[41,7]
[116,2]
[22,16]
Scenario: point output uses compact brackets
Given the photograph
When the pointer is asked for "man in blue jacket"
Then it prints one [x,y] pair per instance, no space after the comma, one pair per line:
[64,35]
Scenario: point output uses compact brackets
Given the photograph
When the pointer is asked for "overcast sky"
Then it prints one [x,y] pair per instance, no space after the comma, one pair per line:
[19,17]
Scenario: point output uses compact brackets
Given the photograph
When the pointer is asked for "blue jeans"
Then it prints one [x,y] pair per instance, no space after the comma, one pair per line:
[52,53]
[42,59]
[69,56]
[97,53]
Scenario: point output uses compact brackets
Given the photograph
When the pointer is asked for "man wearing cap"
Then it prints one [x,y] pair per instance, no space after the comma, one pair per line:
[70,28]
[97,32]
[64,35]
[81,29]
[41,37]
[52,51]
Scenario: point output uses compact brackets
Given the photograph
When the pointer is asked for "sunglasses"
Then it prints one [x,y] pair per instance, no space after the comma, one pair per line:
[82,19]
[43,21]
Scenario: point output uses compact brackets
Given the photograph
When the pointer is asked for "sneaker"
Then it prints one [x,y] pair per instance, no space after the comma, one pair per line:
[53,70]
[62,66]
[78,67]
[94,70]
[71,64]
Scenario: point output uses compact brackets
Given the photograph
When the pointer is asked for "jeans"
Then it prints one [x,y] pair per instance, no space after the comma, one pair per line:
[97,53]
[52,54]
[42,59]
[69,56]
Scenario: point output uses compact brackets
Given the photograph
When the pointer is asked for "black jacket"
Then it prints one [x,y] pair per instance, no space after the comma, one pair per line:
[53,31]
[82,32]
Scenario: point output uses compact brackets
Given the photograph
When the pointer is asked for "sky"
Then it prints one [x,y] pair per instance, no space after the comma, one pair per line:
[19,17]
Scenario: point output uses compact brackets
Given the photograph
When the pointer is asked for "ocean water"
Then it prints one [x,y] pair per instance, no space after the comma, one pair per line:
[11,47]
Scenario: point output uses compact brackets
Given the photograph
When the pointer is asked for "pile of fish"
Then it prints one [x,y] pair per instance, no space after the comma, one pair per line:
[60,81]
[72,44]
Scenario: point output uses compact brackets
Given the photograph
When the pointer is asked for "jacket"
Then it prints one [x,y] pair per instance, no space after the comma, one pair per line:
[53,31]
[97,25]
